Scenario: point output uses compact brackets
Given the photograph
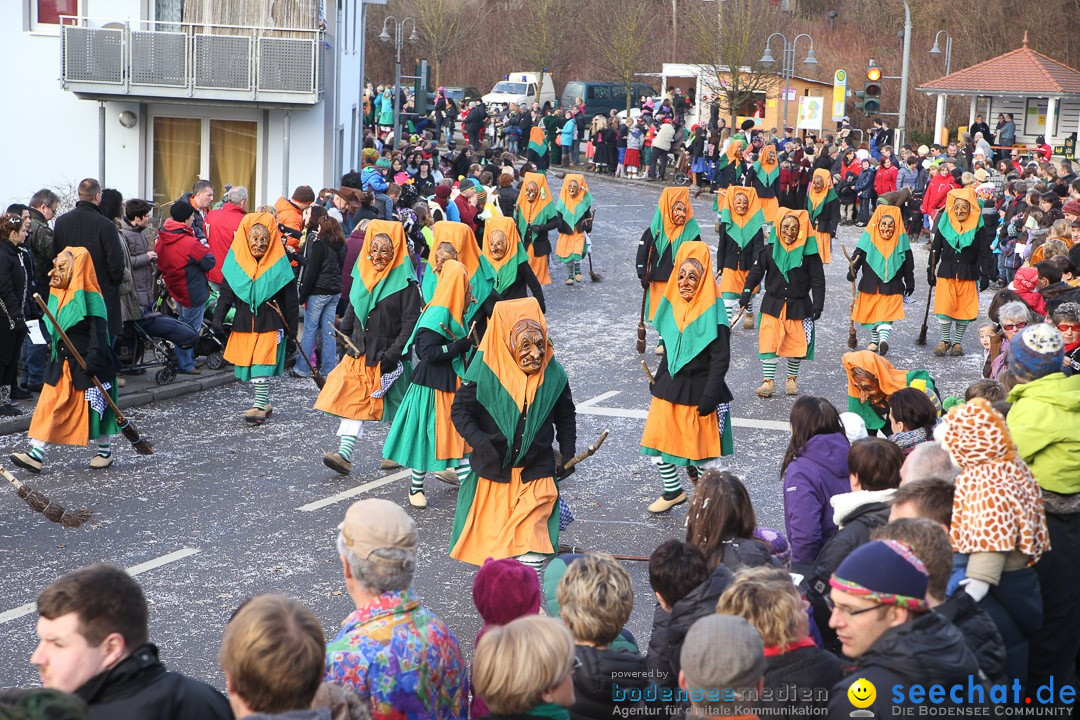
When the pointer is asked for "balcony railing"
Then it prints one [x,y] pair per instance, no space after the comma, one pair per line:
[207,63]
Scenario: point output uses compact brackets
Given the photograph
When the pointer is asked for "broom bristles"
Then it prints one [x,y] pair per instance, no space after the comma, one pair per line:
[52,511]
[142,445]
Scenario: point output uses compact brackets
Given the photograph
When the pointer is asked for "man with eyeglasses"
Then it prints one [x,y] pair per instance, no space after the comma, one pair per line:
[884,623]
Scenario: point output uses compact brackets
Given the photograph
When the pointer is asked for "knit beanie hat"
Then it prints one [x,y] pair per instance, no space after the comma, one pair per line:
[885,571]
[854,426]
[1071,208]
[1025,279]
[1039,351]
[383,163]
[181,211]
[747,124]
[442,191]
[505,590]
[304,194]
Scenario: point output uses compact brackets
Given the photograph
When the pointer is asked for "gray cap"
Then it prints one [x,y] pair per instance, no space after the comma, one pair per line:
[722,651]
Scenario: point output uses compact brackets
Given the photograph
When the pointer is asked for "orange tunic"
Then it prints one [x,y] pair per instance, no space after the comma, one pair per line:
[506,519]
[449,445]
[539,266]
[733,281]
[784,337]
[62,415]
[824,243]
[871,308]
[956,299]
[678,430]
[348,389]
[247,349]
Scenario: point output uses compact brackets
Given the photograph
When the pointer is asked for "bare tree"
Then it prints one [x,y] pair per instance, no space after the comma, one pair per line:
[674,30]
[728,38]
[444,25]
[622,40]
[539,35]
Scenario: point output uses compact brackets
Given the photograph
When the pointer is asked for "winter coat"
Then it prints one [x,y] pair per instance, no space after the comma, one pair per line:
[142,267]
[1043,420]
[130,307]
[670,628]
[434,360]
[223,223]
[40,242]
[490,446]
[474,120]
[700,382]
[85,226]
[664,137]
[927,650]
[139,687]
[372,180]
[290,218]
[805,668]
[603,675]
[801,294]
[183,262]
[907,177]
[320,272]
[307,714]
[263,318]
[885,180]
[937,189]
[980,633]
[972,263]
[817,473]
[388,327]
[864,184]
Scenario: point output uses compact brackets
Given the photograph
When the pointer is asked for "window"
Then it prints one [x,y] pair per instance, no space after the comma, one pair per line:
[599,92]
[188,148]
[48,12]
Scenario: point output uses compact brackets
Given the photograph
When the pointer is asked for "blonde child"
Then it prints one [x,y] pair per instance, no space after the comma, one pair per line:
[990,339]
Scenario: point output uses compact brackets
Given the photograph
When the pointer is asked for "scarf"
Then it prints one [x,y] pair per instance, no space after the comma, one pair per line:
[663,228]
[885,257]
[688,327]
[960,234]
[787,257]
[742,228]
[254,281]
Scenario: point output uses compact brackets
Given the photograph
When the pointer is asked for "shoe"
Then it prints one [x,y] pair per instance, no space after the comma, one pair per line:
[662,504]
[883,348]
[579,278]
[26,462]
[941,348]
[293,373]
[192,371]
[766,389]
[388,465]
[956,350]
[121,382]
[570,281]
[697,193]
[20,393]
[873,347]
[9,410]
[256,415]
[448,476]
[791,387]
[659,350]
[337,463]
[693,473]
[418,499]
[860,224]
[748,321]
[100,463]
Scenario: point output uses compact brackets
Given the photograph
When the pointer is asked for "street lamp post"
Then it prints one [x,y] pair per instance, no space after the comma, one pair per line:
[939,115]
[787,69]
[901,126]
[399,28]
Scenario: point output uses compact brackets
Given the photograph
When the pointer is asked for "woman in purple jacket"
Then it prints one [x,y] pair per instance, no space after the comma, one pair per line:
[814,469]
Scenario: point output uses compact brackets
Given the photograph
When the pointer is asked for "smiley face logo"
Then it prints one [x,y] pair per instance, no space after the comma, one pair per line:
[862,693]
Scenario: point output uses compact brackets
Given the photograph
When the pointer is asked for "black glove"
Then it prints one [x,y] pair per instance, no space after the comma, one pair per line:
[851,275]
[561,472]
[909,290]
[706,409]
[644,283]
[816,316]
[96,364]
[984,283]
[931,278]
[462,345]
[535,229]
[217,328]
[744,300]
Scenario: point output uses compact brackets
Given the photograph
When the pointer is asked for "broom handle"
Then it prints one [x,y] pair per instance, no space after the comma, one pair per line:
[120,419]
[929,295]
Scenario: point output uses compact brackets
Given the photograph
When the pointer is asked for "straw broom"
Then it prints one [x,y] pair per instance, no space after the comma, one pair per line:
[52,511]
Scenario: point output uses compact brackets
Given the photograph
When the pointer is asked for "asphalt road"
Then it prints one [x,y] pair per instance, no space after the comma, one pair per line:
[224,510]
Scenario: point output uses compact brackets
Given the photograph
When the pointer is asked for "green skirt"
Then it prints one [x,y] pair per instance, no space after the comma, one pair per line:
[246,373]
[411,440]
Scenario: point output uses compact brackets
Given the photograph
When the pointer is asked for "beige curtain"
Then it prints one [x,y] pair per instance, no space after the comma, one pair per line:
[177,155]
[302,14]
[233,146]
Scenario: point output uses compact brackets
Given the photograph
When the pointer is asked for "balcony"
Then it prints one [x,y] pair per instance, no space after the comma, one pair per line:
[146,61]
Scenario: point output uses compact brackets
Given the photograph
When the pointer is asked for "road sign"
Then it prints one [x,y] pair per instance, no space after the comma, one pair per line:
[839,93]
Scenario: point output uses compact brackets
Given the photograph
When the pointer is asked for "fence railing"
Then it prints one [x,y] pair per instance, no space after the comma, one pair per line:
[185,60]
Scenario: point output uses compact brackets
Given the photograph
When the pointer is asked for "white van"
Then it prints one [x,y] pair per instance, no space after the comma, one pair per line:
[519,87]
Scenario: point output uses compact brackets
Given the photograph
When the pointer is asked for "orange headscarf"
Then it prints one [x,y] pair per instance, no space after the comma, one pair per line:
[242,253]
[450,290]
[571,203]
[461,237]
[973,218]
[729,205]
[530,210]
[815,197]
[513,241]
[498,352]
[890,380]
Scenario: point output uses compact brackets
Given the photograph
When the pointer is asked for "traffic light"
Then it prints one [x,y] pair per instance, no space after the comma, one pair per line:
[423,92]
[872,90]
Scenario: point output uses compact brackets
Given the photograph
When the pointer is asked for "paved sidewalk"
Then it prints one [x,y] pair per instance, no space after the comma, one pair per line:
[140,390]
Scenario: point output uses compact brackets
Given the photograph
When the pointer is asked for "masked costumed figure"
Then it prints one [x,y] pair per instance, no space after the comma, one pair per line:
[872,380]
[422,437]
[455,241]
[960,259]
[794,298]
[506,261]
[71,410]
[824,208]
[257,273]
[514,404]
[689,421]
[574,210]
[370,382]
[535,217]
[537,150]
[672,225]
[741,239]
[764,176]
[888,274]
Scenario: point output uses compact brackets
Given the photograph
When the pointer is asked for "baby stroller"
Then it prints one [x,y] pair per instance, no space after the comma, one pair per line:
[133,346]
[210,344]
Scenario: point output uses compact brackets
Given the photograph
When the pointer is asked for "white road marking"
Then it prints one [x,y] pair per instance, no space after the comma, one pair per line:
[588,407]
[353,492]
[24,610]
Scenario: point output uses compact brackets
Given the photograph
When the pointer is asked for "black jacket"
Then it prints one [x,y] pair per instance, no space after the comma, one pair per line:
[264,318]
[525,283]
[85,226]
[660,266]
[829,218]
[670,628]
[699,382]
[730,256]
[925,651]
[971,263]
[903,282]
[40,242]
[91,338]
[320,268]
[507,197]
[803,293]
[475,118]
[139,688]
[537,235]
[389,326]
[603,677]
[13,282]
[805,668]
[478,428]
[435,356]
[980,633]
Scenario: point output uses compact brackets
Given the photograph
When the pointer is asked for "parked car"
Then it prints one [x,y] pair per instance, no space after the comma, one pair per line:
[461,95]
[519,87]
[635,111]
[603,97]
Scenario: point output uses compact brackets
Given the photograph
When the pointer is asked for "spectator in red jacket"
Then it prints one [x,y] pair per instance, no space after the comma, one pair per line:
[223,223]
[936,191]
[184,262]
[466,202]
[885,178]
